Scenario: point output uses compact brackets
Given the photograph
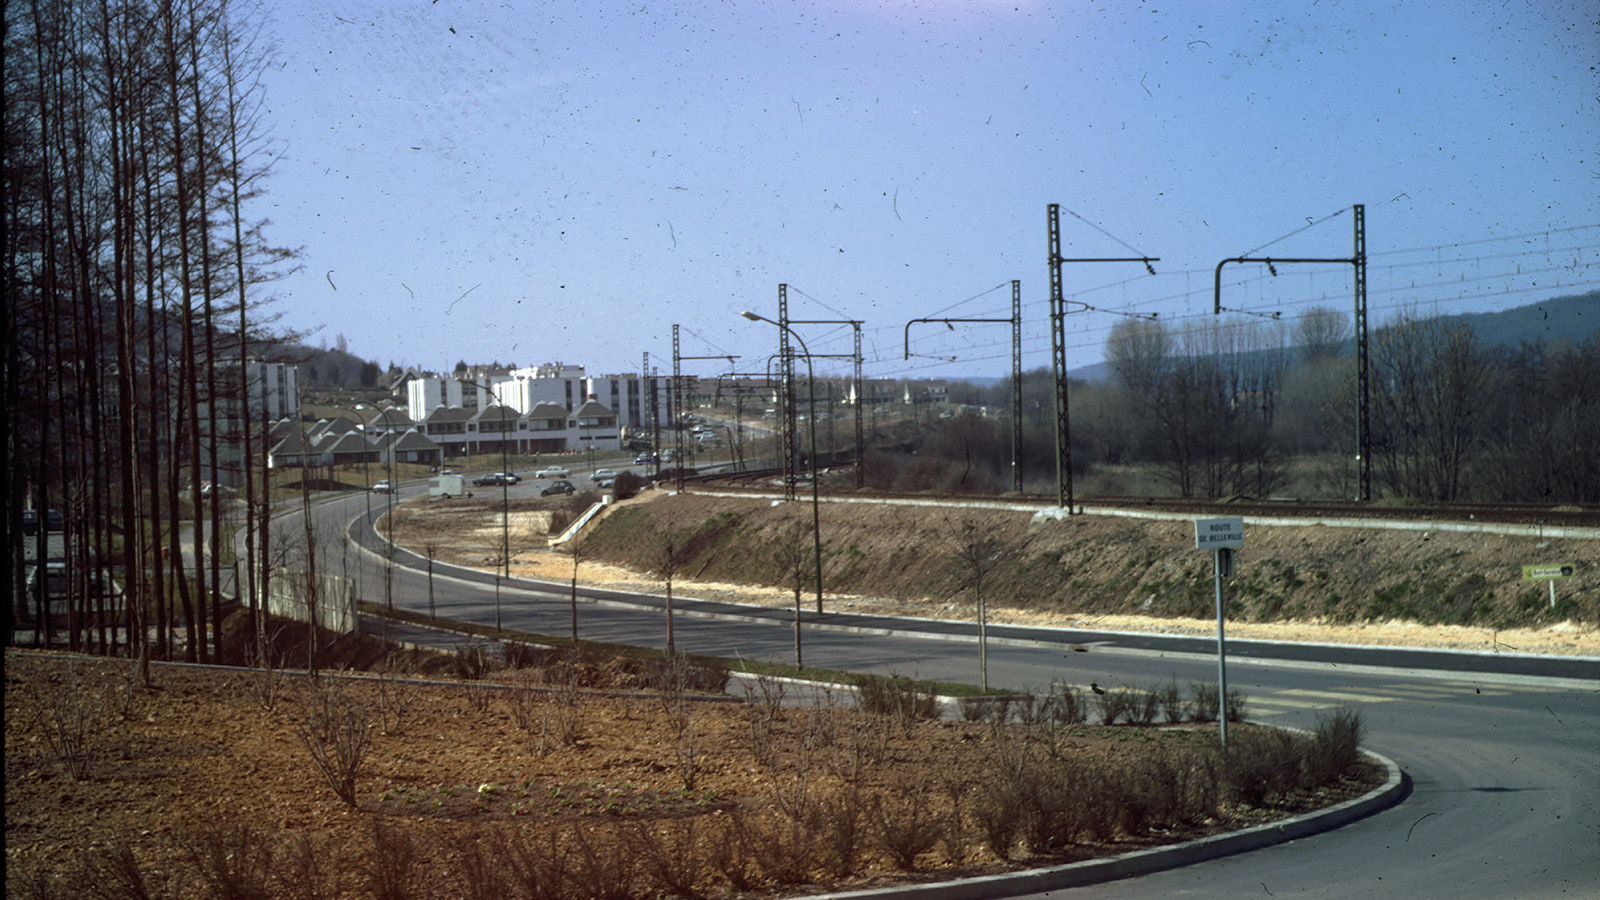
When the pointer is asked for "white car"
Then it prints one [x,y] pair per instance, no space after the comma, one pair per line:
[382,487]
[553,472]
[602,474]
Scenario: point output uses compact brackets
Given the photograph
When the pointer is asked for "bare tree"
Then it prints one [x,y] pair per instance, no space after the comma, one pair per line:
[667,554]
[791,554]
[574,549]
[1321,332]
[1427,381]
[980,551]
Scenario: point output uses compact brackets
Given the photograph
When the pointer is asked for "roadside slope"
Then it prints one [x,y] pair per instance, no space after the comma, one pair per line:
[1294,582]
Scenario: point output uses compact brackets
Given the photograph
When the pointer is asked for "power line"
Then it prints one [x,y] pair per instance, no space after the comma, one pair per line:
[1490,240]
[1291,234]
[997,287]
[1105,232]
[818,302]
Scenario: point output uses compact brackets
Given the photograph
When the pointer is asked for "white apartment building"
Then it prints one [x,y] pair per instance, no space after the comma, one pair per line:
[558,407]
[274,394]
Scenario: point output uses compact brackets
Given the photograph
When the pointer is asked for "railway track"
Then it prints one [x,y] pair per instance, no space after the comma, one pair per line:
[1553,515]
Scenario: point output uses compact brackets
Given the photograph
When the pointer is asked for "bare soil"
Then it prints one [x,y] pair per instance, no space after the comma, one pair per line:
[202,778]
[1429,588]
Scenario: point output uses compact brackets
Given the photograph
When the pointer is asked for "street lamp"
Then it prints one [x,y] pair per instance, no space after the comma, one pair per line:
[811,379]
[507,432]
[386,416]
[366,478]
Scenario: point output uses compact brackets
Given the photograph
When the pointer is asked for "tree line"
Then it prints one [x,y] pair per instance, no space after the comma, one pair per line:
[1260,408]
[134,148]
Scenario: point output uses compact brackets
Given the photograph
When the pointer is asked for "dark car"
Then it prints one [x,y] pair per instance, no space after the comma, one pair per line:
[558,487]
[495,479]
[30,521]
[99,590]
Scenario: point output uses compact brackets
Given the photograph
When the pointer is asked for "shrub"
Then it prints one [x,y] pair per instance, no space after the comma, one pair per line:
[996,709]
[391,867]
[1144,705]
[305,871]
[1115,704]
[112,872]
[1173,707]
[337,730]
[541,868]
[628,484]
[1067,706]
[895,695]
[1238,705]
[1335,746]
[1206,701]
[473,661]
[903,827]
[234,861]
[72,720]
[672,858]
[478,869]
[1264,766]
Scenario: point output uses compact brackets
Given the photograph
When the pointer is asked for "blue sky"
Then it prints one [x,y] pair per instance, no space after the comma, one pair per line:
[538,181]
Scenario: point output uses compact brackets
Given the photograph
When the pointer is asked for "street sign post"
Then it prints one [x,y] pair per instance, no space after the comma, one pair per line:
[1549,573]
[1221,536]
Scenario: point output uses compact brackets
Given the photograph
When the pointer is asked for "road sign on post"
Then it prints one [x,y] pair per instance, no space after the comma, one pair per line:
[1220,536]
[1214,534]
[1549,573]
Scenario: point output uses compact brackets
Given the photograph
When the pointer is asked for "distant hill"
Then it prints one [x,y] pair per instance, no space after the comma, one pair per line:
[1575,318]
[322,368]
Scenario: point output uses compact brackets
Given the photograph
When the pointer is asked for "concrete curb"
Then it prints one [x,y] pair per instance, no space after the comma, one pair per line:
[1155,859]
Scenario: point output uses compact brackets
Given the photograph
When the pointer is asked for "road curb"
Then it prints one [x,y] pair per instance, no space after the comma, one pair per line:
[1156,859]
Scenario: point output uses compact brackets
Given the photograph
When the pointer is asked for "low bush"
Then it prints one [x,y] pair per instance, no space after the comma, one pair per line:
[234,862]
[1263,767]
[896,696]
[1335,746]
[72,717]
[336,728]
[1174,708]
[1207,702]
[628,484]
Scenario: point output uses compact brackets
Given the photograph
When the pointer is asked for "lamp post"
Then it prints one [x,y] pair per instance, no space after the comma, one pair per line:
[388,542]
[366,477]
[811,378]
[507,429]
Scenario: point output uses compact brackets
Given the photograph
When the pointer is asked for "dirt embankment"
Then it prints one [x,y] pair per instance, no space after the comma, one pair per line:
[1351,585]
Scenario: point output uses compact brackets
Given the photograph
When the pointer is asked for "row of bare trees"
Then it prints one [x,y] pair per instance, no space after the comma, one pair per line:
[133,149]
[1221,407]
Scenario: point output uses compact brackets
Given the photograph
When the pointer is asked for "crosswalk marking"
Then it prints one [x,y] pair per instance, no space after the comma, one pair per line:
[1338,695]
[1279,702]
[1284,702]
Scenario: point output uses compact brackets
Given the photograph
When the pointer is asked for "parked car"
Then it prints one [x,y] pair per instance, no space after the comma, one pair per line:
[603,473]
[553,472]
[558,487]
[383,487]
[98,588]
[30,521]
[605,482]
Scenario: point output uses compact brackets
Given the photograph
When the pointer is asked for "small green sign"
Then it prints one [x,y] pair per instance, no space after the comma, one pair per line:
[1545,573]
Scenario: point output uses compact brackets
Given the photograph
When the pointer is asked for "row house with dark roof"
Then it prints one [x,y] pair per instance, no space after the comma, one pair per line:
[341,442]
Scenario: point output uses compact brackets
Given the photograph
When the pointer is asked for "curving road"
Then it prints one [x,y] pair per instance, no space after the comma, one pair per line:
[1503,749]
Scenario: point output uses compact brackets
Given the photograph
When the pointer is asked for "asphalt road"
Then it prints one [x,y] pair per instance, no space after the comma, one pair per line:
[1503,749]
